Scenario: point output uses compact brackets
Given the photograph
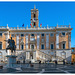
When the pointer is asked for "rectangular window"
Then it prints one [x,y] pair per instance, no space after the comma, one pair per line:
[63,46]
[32,46]
[0,34]
[42,46]
[52,46]
[63,33]
[13,35]
[22,35]
[72,50]
[51,34]
[34,16]
[32,34]
[42,34]
[22,47]
[0,45]
[42,40]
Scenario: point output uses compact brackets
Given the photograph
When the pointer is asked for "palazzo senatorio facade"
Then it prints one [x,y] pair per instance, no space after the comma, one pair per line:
[37,43]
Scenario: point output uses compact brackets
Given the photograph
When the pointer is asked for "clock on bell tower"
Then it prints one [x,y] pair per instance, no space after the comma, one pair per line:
[34,17]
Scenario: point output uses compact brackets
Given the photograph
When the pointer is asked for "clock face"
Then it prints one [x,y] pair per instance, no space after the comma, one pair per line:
[34,20]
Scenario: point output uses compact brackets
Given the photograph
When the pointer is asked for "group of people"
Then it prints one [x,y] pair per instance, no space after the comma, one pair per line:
[57,63]
[48,62]
[45,62]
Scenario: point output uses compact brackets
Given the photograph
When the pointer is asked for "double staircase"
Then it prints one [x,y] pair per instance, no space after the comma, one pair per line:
[41,56]
[45,57]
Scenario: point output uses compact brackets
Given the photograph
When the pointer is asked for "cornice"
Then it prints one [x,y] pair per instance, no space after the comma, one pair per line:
[31,32]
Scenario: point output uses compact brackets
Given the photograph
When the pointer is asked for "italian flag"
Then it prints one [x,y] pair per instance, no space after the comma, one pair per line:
[40,25]
[31,24]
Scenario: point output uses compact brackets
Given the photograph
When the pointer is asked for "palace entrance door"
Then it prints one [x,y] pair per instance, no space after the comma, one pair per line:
[31,52]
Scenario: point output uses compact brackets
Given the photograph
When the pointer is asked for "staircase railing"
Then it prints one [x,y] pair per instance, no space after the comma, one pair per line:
[49,56]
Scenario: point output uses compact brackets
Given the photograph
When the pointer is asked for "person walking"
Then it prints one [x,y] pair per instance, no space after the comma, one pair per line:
[56,62]
[48,63]
[63,62]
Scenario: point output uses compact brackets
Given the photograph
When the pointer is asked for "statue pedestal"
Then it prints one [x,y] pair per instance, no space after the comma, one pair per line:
[11,60]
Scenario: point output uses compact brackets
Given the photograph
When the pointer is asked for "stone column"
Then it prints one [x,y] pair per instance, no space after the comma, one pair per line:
[7,37]
[69,40]
[57,40]
[38,40]
[34,55]
[35,41]
[7,43]
[17,41]
[47,41]
[26,41]
[28,55]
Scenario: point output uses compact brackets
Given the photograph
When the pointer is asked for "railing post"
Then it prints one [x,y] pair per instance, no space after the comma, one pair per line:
[38,27]
[27,27]
[7,26]
[47,26]
[57,26]
[17,27]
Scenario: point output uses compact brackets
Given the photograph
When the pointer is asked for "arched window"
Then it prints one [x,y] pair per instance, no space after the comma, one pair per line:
[34,15]
[63,45]
[32,46]
[34,24]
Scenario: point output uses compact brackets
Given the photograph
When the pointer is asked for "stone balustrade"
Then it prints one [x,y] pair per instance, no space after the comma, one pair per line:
[63,26]
[3,27]
[39,28]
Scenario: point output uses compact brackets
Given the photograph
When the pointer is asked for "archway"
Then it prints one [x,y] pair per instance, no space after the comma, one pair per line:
[32,46]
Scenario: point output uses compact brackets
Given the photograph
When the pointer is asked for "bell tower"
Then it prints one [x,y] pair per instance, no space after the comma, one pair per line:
[34,17]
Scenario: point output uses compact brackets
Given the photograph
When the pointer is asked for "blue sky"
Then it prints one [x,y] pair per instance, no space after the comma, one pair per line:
[51,13]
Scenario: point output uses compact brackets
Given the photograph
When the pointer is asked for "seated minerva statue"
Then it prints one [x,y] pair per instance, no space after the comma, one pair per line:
[11,46]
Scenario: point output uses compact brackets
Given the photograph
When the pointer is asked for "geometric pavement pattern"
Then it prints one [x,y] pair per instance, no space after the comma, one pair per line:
[42,68]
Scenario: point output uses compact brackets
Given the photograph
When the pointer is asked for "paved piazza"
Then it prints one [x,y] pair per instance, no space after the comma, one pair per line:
[42,68]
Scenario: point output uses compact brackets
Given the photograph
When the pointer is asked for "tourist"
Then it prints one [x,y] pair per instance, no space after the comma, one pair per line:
[56,62]
[63,62]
